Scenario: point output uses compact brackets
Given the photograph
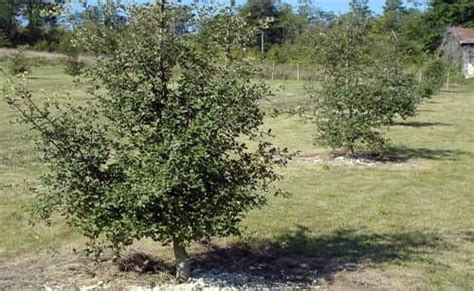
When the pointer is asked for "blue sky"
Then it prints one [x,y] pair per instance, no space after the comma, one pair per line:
[338,6]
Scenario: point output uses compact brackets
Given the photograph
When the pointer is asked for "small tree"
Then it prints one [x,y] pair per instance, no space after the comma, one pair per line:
[161,151]
[433,75]
[73,65]
[19,63]
[4,39]
[364,87]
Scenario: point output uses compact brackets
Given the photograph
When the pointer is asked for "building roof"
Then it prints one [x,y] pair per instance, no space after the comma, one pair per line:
[462,34]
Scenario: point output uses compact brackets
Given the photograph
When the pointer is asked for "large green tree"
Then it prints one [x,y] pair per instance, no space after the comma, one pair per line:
[162,150]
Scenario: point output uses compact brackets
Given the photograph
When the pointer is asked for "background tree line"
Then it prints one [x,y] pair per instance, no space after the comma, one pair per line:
[283,39]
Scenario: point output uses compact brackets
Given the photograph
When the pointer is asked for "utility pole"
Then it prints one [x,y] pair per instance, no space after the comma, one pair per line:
[262,43]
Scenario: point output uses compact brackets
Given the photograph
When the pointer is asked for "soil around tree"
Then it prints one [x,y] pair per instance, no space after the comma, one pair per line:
[234,266]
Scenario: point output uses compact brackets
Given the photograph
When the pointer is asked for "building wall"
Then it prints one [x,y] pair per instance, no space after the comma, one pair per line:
[468,59]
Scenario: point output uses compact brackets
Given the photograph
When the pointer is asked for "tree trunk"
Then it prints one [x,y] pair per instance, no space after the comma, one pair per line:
[183,263]
[351,150]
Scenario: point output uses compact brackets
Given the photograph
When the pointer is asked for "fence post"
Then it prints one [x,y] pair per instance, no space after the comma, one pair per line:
[298,72]
[419,77]
[273,70]
[447,80]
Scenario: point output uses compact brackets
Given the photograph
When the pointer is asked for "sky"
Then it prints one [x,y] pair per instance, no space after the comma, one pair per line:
[337,6]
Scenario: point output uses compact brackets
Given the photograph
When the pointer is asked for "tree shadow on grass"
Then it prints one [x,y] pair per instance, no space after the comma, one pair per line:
[301,257]
[139,262]
[40,78]
[450,91]
[403,154]
[418,124]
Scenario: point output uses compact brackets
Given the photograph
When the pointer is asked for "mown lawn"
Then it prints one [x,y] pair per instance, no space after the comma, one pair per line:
[407,224]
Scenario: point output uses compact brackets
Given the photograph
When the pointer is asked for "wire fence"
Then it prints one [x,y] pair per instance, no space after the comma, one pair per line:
[290,71]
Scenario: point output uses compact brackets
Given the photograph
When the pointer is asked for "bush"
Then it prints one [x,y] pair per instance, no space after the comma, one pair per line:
[433,75]
[73,65]
[4,41]
[42,46]
[19,63]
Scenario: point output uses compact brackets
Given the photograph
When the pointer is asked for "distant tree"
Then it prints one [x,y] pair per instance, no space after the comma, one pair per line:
[19,63]
[7,22]
[452,12]
[360,8]
[39,13]
[4,39]
[313,15]
[258,11]
[159,153]
[393,6]
[393,13]
[364,87]
[73,65]
[30,21]
[282,24]
[105,22]
[307,10]
[290,24]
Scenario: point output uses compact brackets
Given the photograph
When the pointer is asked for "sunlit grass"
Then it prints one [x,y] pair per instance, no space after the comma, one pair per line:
[413,222]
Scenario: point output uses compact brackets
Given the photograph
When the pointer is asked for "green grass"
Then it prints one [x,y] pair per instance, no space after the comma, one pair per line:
[413,222]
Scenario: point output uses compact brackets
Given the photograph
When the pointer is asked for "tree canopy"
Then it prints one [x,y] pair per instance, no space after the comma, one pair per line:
[162,149]
[364,88]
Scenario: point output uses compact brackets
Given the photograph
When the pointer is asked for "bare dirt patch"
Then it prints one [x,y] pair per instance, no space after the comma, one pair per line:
[236,265]
[361,161]
[394,157]
[72,272]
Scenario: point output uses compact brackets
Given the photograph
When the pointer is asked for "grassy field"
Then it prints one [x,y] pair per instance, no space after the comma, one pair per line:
[402,225]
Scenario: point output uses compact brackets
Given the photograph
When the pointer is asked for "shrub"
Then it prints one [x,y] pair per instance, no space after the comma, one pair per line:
[73,65]
[4,40]
[434,74]
[65,46]
[42,46]
[19,63]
